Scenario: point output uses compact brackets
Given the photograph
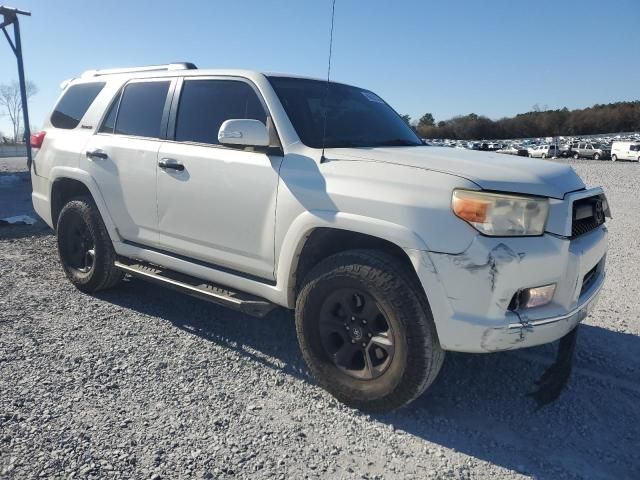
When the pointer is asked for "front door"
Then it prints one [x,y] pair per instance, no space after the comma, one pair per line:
[218,206]
[122,158]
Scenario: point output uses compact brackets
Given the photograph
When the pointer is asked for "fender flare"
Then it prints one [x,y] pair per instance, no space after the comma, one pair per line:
[305,223]
[71,173]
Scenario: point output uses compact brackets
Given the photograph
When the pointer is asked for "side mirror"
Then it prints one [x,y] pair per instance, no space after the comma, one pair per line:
[244,132]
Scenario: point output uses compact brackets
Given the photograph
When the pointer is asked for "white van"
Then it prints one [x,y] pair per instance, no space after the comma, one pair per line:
[625,151]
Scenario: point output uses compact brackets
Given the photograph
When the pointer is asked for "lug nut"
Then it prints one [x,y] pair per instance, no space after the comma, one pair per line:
[369,335]
[364,344]
[353,341]
[353,319]
[364,322]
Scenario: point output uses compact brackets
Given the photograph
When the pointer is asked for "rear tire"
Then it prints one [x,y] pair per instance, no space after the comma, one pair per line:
[85,248]
[596,156]
[576,156]
[366,331]
[544,156]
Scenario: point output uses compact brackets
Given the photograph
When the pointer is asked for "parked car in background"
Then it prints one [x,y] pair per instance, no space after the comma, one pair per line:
[514,150]
[594,151]
[564,150]
[625,151]
[543,151]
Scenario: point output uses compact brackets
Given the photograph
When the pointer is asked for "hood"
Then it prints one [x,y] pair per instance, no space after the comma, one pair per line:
[489,170]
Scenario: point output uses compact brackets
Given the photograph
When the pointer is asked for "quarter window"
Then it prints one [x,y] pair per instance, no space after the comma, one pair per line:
[206,104]
[74,104]
[109,122]
[141,108]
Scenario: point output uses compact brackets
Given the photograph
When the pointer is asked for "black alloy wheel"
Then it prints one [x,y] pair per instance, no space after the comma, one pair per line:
[85,248]
[78,251]
[356,334]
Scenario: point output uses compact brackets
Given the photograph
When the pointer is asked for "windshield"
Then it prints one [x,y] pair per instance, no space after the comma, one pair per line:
[355,117]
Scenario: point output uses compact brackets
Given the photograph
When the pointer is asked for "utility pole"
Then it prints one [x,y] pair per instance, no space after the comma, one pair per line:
[10,17]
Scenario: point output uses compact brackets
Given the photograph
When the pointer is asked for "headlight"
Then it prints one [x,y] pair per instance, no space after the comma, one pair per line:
[501,215]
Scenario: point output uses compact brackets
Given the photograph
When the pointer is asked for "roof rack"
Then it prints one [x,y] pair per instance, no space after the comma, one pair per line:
[148,68]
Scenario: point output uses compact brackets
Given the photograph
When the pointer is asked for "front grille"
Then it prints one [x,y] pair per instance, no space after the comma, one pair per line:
[588,279]
[588,215]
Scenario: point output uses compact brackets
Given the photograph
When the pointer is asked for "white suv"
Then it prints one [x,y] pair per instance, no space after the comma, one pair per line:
[254,191]
[543,151]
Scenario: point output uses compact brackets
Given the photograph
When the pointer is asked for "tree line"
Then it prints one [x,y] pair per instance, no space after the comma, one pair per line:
[601,118]
[11,107]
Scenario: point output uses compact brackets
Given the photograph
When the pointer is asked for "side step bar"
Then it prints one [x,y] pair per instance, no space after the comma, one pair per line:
[196,287]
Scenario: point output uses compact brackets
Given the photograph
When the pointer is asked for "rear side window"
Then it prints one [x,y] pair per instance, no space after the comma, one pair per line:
[141,107]
[635,148]
[74,104]
[206,104]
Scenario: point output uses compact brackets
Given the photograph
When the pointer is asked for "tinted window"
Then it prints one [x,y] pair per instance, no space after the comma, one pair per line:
[110,120]
[74,104]
[206,104]
[354,117]
[141,107]
[634,148]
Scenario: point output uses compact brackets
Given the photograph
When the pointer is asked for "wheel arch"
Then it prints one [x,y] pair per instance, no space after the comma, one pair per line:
[70,183]
[319,241]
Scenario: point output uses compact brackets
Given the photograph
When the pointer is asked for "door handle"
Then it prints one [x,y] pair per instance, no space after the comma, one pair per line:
[170,163]
[93,154]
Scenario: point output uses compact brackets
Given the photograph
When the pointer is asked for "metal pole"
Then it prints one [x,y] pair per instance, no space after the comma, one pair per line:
[23,90]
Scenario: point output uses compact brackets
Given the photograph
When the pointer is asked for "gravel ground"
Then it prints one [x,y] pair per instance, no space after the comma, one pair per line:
[141,382]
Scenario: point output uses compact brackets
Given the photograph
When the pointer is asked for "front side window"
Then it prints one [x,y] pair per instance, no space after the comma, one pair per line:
[354,117]
[206,104]
[74,104]
[141,108]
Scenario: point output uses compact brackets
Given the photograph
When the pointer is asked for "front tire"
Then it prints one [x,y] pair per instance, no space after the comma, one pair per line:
[596,156]
[576,156]
[614,158]
[85,248]
[366,331]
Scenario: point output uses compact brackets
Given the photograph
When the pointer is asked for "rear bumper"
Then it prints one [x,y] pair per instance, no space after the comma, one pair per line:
[469,293]
[40,197]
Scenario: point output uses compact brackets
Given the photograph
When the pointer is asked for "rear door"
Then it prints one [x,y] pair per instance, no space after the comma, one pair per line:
[582,149]
[122,157]
[219,207]
[589,151]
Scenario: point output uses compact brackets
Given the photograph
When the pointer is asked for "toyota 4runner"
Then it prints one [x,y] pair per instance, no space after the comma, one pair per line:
[260,190]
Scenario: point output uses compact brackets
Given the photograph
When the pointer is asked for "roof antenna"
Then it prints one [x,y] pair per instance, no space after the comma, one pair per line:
[326,96]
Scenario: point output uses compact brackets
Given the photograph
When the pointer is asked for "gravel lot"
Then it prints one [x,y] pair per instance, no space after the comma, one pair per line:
[141,382]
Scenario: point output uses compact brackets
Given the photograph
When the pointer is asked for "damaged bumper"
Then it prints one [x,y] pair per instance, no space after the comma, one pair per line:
[470,293]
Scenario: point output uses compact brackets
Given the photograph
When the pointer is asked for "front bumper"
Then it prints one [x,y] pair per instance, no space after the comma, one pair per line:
[469,293]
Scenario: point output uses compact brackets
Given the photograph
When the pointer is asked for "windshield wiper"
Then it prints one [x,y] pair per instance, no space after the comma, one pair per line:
[345,144]
[398,142]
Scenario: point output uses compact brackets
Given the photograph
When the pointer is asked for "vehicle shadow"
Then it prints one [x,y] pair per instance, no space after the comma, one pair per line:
[478,405]
[20,230]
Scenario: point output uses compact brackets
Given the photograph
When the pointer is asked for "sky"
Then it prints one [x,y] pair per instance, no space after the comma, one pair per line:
[494,57]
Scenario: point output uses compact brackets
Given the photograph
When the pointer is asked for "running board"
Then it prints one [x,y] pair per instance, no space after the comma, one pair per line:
[196,287]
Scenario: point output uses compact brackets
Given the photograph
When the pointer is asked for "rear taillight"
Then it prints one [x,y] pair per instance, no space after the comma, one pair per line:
[37,139]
